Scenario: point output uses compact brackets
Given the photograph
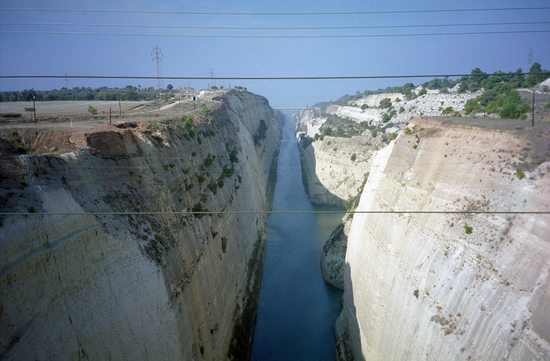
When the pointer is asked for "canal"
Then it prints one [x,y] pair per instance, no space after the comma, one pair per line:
[296,309]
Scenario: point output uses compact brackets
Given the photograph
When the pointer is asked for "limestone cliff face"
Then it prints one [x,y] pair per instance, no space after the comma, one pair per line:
[333,254]
[449,286]
[333,168]
[90,283]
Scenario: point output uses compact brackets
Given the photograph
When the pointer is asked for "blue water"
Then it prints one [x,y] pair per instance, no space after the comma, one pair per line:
[296,309]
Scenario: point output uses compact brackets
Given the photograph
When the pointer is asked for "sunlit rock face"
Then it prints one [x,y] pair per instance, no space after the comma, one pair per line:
[157,286]
[334,167]
[452,286]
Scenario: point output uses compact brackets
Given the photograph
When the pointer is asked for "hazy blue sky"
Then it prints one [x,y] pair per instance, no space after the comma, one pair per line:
[77,54]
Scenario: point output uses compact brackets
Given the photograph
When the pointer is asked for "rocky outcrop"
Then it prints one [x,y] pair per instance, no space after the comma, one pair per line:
[115,254]
[452,286]
[333,254]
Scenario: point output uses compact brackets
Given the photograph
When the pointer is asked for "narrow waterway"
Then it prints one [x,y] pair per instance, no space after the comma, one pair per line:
[296,309]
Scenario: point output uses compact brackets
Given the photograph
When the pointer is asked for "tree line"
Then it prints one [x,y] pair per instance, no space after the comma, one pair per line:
[493,83]
[82,93]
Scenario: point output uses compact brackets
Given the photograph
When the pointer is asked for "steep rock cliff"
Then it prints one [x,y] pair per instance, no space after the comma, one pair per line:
[92,283]
[333,168]
[451,286]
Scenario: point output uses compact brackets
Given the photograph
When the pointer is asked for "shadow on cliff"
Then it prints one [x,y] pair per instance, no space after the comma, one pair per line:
[320,195]
[348,333]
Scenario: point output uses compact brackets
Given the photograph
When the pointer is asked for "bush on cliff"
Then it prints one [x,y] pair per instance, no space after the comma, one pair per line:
[261,132]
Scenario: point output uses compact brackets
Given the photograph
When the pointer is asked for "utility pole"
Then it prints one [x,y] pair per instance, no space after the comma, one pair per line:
[530,57]
[34,107]
[157,58]
[119,108]
[533,110]
[110,121]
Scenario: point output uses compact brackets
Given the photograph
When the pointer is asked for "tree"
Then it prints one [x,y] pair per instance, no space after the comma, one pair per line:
[169,87]
[385,103]
[536,75]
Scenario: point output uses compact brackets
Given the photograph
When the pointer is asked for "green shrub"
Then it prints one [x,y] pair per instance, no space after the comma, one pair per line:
[520,174]
[92,110]
[261,132]
[447,110]
[198,210]
[209,160]
[468,229]
[205,111]
[213,187]
[187,121]
[386,117]
[385,103]
[353,157]
[472,106]
[228,172]
[233,156]
[19,147]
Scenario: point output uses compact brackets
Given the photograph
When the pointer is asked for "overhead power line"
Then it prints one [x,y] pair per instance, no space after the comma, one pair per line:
[225,36]
[141,26]
[329,77]
[266,13]
[156,213]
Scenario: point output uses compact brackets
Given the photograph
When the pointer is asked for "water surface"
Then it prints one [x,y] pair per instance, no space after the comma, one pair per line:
[296,309]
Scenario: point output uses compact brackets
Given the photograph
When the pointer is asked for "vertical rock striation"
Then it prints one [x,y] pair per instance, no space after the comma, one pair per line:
[90,283]
[447,286]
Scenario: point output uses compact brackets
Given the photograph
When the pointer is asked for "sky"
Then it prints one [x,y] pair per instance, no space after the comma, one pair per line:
[75,54]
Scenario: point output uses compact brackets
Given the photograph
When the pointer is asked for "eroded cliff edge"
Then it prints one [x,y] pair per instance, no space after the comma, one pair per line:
[90,283]
[451,286]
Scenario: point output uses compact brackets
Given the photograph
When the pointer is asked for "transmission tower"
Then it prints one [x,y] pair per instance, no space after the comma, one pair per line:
[157,58]
[212,82]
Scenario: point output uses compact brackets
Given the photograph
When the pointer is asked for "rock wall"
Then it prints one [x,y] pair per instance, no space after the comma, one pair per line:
[333,168]
[333,254]
[88,282]
[452,286]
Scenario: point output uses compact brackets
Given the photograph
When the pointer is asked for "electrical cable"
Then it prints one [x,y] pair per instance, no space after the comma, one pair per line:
[266,212]
[352,36]
[329,77]
[265,13]
[141,26]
